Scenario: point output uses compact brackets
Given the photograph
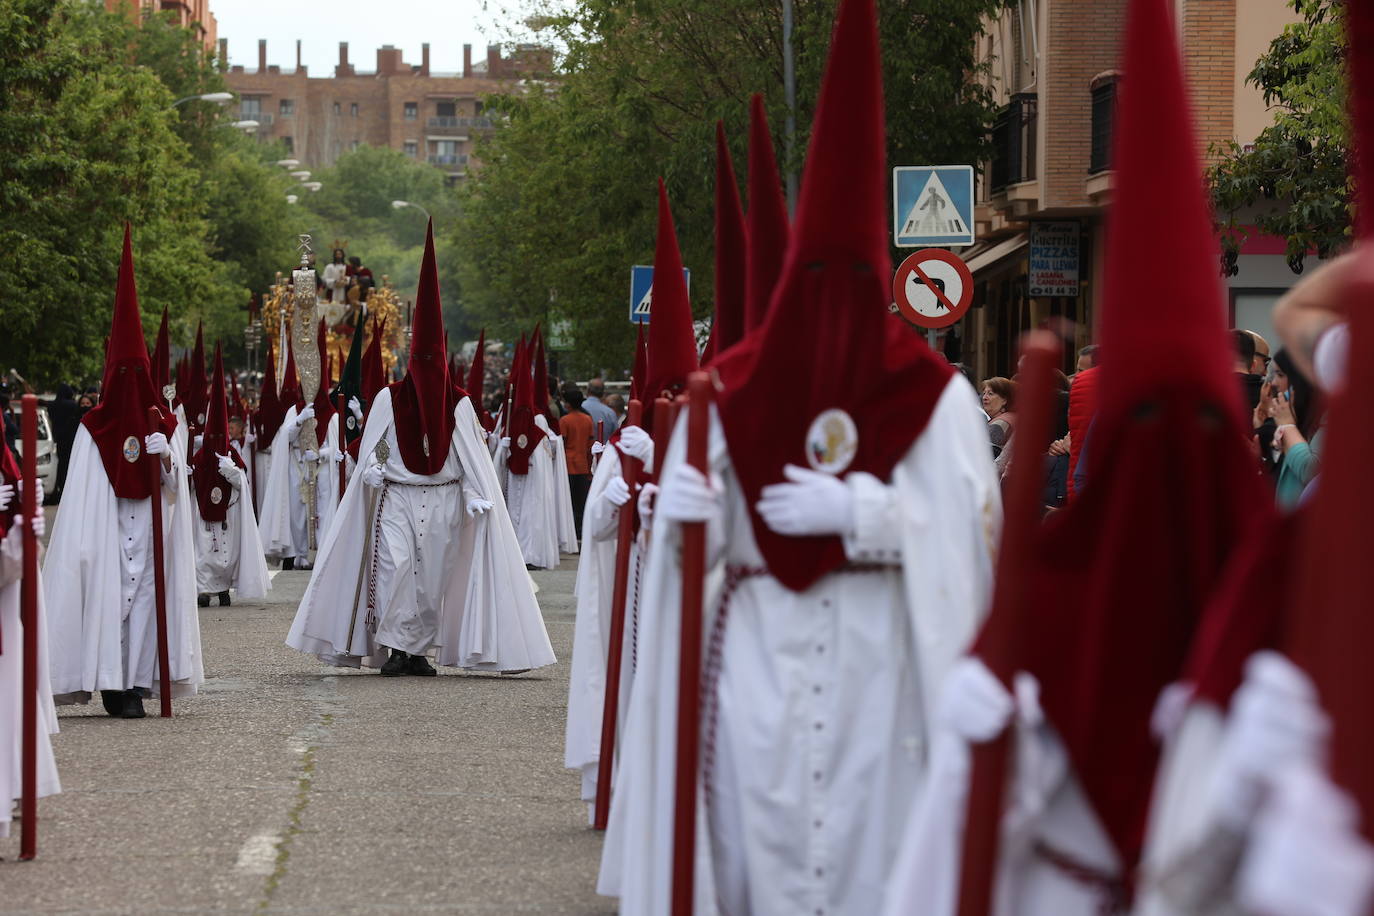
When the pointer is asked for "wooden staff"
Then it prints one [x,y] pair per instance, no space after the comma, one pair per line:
[28,614]
[689,660]
[164,674]
[610,709]
[342,443]
[999,648]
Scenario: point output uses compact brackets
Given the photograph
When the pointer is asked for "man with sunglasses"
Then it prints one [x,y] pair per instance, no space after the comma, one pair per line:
[1252,362]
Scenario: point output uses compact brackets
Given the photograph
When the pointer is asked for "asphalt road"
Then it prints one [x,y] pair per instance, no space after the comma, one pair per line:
[287,787]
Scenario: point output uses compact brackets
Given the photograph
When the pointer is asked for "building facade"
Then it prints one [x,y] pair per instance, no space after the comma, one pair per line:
[432,117]
[1039,217]
[189,14]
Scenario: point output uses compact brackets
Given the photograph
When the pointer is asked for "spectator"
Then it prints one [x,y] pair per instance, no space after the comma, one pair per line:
[1252,362]
[595,406]
[1087,358]
[578,432]
[1292,403]
[85,402]
[65,415]
[616,403]
[999,403]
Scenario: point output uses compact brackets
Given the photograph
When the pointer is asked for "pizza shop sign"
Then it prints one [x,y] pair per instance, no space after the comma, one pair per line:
[1053,258]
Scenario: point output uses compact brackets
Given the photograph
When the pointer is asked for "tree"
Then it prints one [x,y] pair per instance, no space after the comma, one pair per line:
[1294,181]
[564,202]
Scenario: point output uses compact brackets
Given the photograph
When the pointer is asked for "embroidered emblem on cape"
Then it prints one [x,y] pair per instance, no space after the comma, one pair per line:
[352,422]
[832,441]
[216,496]
[132,450]
[424,444]
[200,419]
[522,441]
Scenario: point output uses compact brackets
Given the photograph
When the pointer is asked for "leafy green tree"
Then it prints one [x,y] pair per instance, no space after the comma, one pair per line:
[1293,182]
[564,202]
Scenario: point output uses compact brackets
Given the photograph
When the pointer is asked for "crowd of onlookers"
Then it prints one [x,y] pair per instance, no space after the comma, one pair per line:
[65,411]
[1285,410]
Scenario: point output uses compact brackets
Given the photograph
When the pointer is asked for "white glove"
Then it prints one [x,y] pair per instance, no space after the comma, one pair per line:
[155,444]
[478,506]
[636,443]
[229,470]
[617,492]
[1275,723]
[813,503]
[973,702]
[1306,856]
[505,443]
[373,476]
[39,524]
[338,455]
[6,495]
[312,455]
[598,448]
[249,438]
[356,409]
[647,494]
[307,414]
[687,496]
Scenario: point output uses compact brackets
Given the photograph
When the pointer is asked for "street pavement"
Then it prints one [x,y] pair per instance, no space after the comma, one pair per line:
[287,787]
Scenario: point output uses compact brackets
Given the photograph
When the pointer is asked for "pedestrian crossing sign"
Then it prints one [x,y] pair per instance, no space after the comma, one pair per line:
[932,205]
[642,291]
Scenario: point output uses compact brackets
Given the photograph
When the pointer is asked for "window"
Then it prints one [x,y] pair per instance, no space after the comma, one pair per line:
[337,109]
[290,144]
[353,145]
[250,106]
[412,111]
[445,110]
[412,148]
[1103,105]
[286,107]
[477,110]
[353,109]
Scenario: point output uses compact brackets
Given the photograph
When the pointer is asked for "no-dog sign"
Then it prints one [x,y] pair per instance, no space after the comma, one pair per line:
[932,288]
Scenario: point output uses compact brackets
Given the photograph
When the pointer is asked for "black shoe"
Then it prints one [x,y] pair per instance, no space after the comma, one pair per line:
[202,600]
[395,665]
[223,599]
[419,666]
[113,701]
[288,563]
[133,706]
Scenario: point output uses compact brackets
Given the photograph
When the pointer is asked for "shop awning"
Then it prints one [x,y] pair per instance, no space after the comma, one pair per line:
[985,258]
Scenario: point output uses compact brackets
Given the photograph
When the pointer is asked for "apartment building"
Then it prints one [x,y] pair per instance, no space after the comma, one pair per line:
[190,14]
[1039,215]
[433,117]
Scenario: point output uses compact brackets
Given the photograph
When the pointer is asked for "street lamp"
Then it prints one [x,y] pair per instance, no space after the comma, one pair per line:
[291,198]
[288,163]
[219,98]
[312,185]
[248,126]
[303,174]
[402,204]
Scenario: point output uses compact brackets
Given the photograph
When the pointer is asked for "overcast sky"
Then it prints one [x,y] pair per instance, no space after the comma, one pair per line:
[365,24]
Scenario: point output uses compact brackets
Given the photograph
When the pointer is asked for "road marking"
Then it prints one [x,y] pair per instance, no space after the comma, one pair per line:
[258,854]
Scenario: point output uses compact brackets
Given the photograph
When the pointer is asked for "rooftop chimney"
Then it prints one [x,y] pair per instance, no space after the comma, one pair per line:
[298,54]
[424,59]
[467,61]
[224,54]
[262,55]
[344,68]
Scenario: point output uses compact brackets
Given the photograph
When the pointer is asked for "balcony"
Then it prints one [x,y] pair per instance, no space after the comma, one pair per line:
[264,118]
[1103,109]
[449,159]
[1013,143]
[445,122]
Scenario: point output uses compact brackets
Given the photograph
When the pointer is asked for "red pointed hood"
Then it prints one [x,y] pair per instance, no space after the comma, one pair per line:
[236,405]
[290,394]
[541,381]
[476,384]
[162,357]
[196,394]
[374,367]
[767,224]
[728,326]
[324,404]
[425,399]
[212,490]
[271,409]
[1136,579]
[672,344]
[1335,618]
[524,434]
[831,378]
[120,421]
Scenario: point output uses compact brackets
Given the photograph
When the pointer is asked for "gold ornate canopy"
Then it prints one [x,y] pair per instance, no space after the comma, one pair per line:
[383,304]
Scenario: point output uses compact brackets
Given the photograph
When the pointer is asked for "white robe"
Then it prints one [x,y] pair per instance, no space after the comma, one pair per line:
[820,704]
[530,500]
[11,688]
[284,523]
[229,554]
[98,583]
[561,501]
[591,633]
[262,470]
[490,620]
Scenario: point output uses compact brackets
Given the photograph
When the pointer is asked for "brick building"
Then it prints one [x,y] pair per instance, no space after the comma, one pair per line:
[190,14]
[433,117]
[1051,177]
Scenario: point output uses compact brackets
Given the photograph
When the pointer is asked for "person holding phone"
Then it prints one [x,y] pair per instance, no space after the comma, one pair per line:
[1291,402]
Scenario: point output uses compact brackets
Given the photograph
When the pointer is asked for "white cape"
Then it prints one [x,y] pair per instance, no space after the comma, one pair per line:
[530,501]
[281,497]
[249,576]
[491,620]
[564,523]
[949,526]
[82,589]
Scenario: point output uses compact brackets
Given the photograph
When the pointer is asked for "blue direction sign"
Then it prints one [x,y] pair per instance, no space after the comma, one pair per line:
[932,205]
[642,291]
